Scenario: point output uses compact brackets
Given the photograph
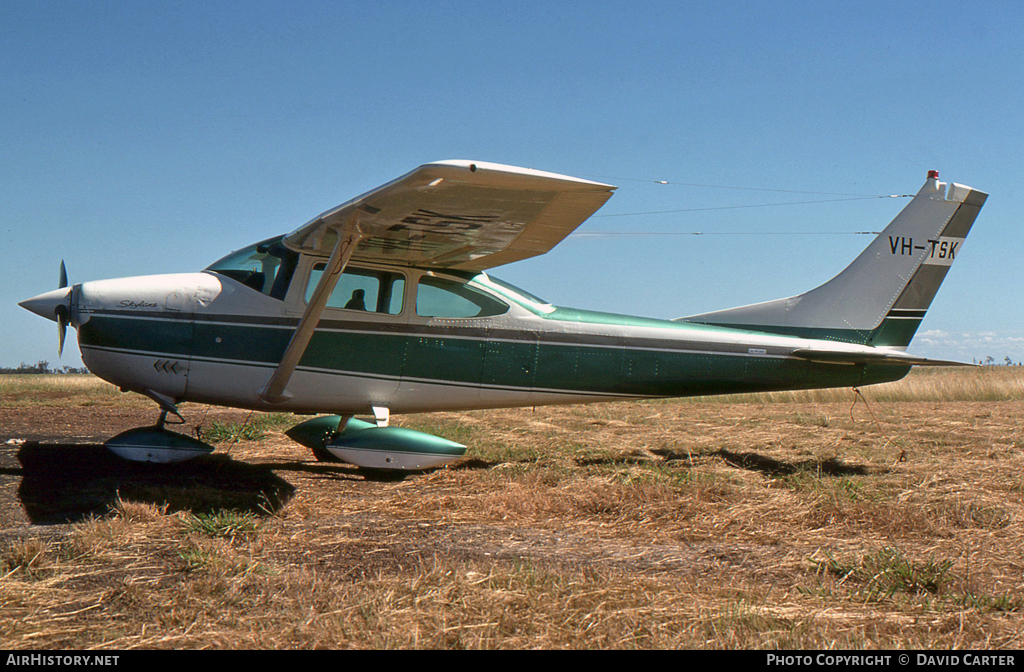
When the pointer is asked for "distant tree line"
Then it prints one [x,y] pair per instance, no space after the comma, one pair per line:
[991,361]
[41,366]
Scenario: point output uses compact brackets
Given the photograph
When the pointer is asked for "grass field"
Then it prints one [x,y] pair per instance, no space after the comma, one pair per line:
[797,520]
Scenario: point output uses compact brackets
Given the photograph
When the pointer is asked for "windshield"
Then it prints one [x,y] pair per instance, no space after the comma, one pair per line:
[266,267]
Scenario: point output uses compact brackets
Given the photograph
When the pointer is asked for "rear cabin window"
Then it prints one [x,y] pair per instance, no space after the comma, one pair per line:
[362,289]
[437,297]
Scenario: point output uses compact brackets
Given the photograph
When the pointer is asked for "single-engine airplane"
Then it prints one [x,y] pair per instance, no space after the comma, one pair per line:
[383,305]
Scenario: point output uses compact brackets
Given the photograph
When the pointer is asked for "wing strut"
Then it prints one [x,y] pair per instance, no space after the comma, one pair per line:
[349,236]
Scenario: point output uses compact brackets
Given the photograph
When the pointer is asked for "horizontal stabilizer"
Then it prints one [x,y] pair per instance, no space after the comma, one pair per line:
[867,357]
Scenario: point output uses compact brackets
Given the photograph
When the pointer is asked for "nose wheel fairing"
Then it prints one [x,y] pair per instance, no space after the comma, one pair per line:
[157,445]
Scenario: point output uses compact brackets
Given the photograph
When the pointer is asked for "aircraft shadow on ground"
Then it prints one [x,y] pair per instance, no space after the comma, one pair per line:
[769,466]
[63,483]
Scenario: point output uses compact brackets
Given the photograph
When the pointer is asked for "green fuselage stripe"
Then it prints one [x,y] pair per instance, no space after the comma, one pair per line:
[572,363]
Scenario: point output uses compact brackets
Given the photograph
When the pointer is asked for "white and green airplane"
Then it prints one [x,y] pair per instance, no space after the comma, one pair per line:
[383,305]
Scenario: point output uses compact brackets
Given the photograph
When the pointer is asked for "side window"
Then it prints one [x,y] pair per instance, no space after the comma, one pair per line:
[437,297]
[362,289]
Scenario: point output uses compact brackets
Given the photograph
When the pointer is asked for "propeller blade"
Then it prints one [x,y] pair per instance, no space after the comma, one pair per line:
[62,328]
[62,312]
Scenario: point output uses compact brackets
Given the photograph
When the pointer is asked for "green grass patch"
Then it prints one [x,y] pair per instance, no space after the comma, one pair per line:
[841,487]
[1004,603]
[254,428]
[886,572]
[224,524]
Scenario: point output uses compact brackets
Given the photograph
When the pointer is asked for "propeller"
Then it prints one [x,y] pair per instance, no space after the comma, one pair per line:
[62,311]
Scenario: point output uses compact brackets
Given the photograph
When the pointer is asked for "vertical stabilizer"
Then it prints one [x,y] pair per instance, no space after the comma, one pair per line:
[880,298]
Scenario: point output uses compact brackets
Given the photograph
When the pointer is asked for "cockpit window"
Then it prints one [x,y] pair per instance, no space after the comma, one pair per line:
[267,267]
[438,297]
[362,289]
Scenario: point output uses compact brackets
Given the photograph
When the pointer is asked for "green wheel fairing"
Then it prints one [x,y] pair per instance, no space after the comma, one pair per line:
[366,445]
[316,433]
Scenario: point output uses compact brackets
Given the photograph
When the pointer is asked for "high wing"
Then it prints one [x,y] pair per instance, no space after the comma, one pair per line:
[468,215]
[450,214]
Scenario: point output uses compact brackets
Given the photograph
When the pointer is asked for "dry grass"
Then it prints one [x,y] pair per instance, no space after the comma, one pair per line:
[60,389]
[753,523]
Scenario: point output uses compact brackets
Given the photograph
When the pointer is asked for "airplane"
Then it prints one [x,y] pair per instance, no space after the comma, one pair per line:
[385,305]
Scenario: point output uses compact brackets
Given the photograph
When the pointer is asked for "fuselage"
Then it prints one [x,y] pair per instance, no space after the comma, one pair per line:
[413,340]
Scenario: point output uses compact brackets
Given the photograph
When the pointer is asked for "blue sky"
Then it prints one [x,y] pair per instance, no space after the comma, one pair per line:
[156,137]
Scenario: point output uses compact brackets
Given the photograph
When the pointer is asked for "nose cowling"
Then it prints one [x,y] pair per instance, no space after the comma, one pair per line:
[56,306]
[50,304]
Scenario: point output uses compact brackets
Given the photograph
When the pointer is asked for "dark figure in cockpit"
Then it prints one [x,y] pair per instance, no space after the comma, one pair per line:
[357,302]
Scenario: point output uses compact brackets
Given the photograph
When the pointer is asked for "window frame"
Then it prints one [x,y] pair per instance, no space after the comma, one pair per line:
[397,276]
